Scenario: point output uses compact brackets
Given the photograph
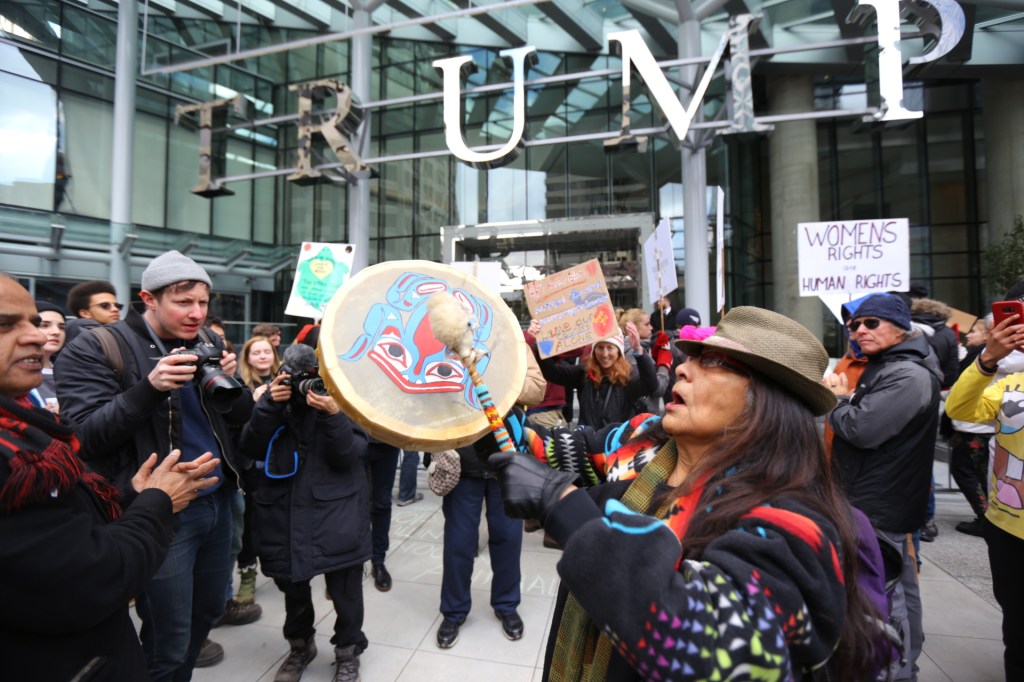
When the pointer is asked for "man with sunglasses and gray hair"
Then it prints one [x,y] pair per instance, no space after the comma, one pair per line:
[884,443]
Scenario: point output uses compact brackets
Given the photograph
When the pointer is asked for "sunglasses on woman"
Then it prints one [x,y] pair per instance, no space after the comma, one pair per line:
[711,359]
[108,306]
[869,322]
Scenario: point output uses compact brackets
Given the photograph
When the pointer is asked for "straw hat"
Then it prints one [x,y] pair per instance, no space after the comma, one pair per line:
[776,347]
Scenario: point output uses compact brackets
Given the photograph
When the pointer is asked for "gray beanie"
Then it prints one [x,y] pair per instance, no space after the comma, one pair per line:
[170,268]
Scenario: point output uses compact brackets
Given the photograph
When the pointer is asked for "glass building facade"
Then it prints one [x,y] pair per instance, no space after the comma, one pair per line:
[57,88]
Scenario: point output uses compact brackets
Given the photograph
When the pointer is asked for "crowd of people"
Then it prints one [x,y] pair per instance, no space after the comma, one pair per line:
[727,506]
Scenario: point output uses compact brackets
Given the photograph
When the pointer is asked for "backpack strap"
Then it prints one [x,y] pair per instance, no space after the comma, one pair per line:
[111,349]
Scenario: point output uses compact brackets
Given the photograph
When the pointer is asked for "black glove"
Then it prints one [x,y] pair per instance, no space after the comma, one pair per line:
[529,487]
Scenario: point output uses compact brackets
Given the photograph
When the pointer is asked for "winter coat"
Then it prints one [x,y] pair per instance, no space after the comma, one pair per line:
[604,403]
[885,435]
[317,520]
[930,317]
[67,573]
[121,421]
[778,564]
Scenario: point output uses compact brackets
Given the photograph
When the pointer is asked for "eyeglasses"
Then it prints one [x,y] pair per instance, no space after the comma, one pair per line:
[710,359]
[869,322]
[108,306]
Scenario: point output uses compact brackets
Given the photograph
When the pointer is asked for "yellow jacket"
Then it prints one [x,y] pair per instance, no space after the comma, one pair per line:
[975,397]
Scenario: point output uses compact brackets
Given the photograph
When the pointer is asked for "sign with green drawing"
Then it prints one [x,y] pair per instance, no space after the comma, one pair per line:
[321,270]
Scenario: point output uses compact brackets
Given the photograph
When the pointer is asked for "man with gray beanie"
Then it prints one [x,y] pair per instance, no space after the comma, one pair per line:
[128,395]
[884,442]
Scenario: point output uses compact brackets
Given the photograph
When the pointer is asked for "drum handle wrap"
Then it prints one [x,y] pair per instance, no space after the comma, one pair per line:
[494,420]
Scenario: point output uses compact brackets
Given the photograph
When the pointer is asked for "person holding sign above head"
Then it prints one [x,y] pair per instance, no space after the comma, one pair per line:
[608,387]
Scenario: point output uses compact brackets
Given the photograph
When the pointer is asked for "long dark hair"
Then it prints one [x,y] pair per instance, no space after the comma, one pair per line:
[776,450]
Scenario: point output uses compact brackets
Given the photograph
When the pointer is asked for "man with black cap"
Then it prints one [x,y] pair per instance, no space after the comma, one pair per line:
[885,439]
[128,396]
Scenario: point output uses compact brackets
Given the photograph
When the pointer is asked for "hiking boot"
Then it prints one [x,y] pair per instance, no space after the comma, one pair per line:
[237,613]
[302,653]
[972,527]
[929,531]
[347,661]
[246,586]
[415,498]
[381,577]
[210,653]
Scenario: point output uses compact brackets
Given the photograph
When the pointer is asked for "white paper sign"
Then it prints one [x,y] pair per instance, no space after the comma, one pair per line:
[659,262]
[854,256]
[321,270]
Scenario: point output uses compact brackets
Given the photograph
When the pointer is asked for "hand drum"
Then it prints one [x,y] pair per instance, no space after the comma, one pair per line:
[381,361]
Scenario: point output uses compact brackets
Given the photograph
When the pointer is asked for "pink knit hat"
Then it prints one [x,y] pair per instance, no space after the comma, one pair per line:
[615,340]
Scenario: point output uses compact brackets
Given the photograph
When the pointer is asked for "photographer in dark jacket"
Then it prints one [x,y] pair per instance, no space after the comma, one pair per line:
[133,397]
[312,511]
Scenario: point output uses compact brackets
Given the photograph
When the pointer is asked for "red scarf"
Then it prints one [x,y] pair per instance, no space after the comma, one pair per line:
[42,460]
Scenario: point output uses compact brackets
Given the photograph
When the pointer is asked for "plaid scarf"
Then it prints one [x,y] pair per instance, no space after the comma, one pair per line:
[42,461]
[582,651]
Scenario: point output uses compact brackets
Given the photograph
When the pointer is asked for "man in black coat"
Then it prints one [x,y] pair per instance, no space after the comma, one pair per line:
[71,557]
[133,397]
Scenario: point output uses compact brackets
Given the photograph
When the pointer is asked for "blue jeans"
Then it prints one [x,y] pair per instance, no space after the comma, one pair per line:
[186,596]
[407,475]
[381,465]
[461,509]
[237,504]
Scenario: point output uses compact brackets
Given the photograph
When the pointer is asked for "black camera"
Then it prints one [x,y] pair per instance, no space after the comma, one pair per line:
[304,382]
[219,387]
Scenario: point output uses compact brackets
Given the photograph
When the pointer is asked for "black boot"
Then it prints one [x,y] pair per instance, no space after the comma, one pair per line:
[381,577]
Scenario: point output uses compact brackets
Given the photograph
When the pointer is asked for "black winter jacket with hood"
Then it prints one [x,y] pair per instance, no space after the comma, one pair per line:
[317,520]
[121,421]
[930,317]
[885,435]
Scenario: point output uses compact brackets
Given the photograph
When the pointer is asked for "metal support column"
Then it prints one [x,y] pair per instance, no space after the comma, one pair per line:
[695,182]
[121,162]
[361,64]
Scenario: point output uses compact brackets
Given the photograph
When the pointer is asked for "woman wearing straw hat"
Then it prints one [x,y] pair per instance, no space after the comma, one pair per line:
[732,552]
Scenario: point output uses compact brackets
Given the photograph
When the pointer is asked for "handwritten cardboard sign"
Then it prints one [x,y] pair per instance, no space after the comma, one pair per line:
[660,262]
[573,308]
[321,270]
[854,256]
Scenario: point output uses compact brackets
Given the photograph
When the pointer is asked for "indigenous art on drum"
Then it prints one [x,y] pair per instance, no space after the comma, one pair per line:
[398,338]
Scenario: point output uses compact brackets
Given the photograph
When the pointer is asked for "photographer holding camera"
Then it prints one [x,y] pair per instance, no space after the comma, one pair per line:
[312,510]
[153,382]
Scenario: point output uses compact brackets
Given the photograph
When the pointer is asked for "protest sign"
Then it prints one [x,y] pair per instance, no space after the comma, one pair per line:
[854,256]
[660,262]
[573,308]
[720,250]
[321,270]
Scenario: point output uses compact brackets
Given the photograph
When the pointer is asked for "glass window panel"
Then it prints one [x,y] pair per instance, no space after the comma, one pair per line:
[428,78]
[948,191]
[506,188]
[630,182]
[858,195]
[587,106]
[263,205]
[335,58]
[433,194]
[185,211]
[232,215]
[430,117]
[88,37]
[302,64]
[90,126]
[588,179]
[549,199]
[330,212]
[195,83]
[298,212]
[428,248]
[826,178]
[398,80]
[396,207]
[467,194]
[397,249]
[951,238]
[545,112]
[87,82]
[28,156]
[149,172]
[902,182]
